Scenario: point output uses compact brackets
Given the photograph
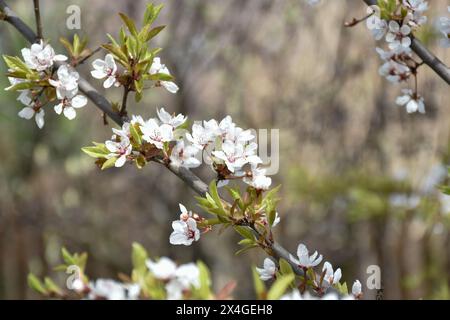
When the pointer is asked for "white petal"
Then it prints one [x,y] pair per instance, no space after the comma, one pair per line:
[26,113]
[39,118]
[109,82]
[98,74]
[58,108]
[79,101]
[121,161]
[70,113]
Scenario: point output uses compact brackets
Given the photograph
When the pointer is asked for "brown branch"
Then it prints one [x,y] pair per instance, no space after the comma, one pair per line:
[194,182]
[427,57]
[37,14]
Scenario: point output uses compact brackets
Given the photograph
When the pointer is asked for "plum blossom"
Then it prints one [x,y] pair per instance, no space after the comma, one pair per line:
[173,121]
[203,135]
[69,102]
[163,269]
[331,277]
[185,230]
[67,80]
[156,134]
[268,271]
[41,56]
[120,150]
[24,96]
[156,68]
[188,275]
[357,289]
[30,112]
[258,179]
[113,290]
[416,12]
[375,24]
[412,101]
[398,36]
[394,71]
[105,69]
[184,155]
[293,295]
[304,259]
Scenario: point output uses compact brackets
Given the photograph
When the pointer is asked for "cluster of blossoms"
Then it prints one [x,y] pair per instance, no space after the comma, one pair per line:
[177,281]
[37,77]
[399,64]
[328,278]
[230,149]
[108,71]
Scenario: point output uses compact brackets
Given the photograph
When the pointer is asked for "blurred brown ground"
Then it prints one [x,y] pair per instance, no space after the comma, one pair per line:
[270,64]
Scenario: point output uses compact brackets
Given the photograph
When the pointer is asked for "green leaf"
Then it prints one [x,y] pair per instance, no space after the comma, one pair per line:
[36,284]
[285,267]
[153,33]
[280,286]
[16,63]
[109,163]
[245,232]
[260,287]
[52,286]
[151,13]
[98,151]
[67,45]
[205,282]
[135,134]
[160,77]
[129,23]
[215,195]
[139,256]
[67,257]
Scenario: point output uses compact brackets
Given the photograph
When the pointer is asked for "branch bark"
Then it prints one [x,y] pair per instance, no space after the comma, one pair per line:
[37,14]
[427,56]
[193,181]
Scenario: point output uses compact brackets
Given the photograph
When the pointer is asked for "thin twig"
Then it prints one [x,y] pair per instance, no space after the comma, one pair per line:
[87,57]
[37,14]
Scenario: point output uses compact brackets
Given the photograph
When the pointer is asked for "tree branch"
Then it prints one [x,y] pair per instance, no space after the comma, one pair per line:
[37,14]
[194,182]
[427,57]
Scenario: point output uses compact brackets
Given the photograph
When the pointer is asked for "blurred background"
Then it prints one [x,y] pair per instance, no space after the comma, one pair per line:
[359,175]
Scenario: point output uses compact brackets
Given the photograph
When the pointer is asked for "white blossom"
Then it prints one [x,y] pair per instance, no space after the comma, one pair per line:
[157,134]
[304,259]
[163,269]
[41,56]
[30,112]
[331,277]
[184,155]
[258,179]
[120,150]
[173,121]
[394,71]
[188,275]
[357,289]
[184,232]
[412,101]
[375,24]
[105,69]
[113,290]
[69,102]
[268,271]
[67,80]
[398,37]
[203,135]
[157,67]
[293,295]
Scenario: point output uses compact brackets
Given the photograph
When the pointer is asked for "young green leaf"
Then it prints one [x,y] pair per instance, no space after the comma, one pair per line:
[280,286]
